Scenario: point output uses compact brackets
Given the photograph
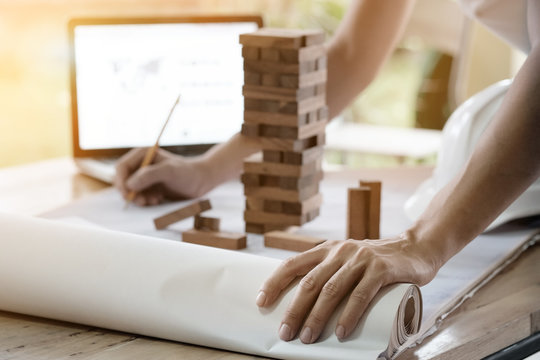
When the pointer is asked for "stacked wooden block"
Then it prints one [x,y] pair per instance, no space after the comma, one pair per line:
[285,108]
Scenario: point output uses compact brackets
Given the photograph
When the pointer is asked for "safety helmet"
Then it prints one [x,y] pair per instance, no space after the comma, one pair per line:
[459,137]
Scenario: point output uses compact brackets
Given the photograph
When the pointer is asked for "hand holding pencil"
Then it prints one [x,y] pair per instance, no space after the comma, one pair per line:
[151,152]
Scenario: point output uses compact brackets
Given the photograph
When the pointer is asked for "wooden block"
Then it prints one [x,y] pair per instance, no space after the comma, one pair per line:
[222,240]
[259,117]
[269,67]
[261,217]
[270,143]
[251,53]
[285,207]
[304,80]
[294,158]
[270,54]
[321,63]
[307,53]
[288,241]
[357,213]
[190,210]
[282,38]
[251,130]
[251,78]
[283,182]
[374,217]
[263,228]
[273,156]
[206,223]
[282,94]
[255,165]
[274,193]
[270,79]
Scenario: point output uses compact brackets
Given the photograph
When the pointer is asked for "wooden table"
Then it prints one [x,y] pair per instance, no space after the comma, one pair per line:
[498,316]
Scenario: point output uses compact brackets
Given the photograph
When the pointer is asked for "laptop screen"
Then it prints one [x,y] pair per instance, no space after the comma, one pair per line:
[126,76]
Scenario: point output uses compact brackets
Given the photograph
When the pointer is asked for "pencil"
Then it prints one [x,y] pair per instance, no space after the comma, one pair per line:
[152,151]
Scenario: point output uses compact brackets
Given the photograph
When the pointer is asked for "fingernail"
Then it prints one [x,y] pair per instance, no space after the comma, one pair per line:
[285,332]
[261,298]
[306,335]
[340,332]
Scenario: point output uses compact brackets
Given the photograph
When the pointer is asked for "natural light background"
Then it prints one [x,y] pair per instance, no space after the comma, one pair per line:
[34,77]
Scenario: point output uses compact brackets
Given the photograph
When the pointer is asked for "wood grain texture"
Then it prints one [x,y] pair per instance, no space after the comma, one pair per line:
[283,182]
[374,216]
[274,143]
[222,240]
[284,132]
[357,213]
[289,241]
[206,223]
[284,207]
[295,158]
[255,165]
[282,94]
[261,217]
[183,213]
[282,38]
[273,193]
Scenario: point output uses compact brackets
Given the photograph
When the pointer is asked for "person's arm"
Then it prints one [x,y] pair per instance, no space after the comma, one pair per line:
[505,162]
[364,40]
[176,177]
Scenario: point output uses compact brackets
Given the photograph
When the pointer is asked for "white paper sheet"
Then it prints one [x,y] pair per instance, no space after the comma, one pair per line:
[164,289]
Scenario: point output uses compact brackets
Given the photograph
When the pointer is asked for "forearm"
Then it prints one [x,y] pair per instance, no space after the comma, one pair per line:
[223,162]
[505,162]
[364,40]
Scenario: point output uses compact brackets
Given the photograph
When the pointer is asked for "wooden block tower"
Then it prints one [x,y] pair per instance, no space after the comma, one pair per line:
[285,108]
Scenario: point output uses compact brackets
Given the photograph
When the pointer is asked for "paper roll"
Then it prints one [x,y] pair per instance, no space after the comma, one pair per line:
[173,290]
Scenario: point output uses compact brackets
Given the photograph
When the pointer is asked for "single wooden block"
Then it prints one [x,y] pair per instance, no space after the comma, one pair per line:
[282,94]
[284,207]
[263,228]
[255,165]
[282,38]
[222,240]
[270,79]
[270,54]
[261,217]
[206,223]
[272,156]
[259,117]
[251,53]
[293,158]
[251,78]
[307,53]
[283,182]
[304,80]
[274,193]
[251,130]
[288,241]
[357,213]
[374,217]
[190,210]
[269,143]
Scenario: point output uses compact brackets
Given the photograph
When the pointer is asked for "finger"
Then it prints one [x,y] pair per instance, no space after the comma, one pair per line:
[126,165]
[333,291]
[359,300]
[304,298]
[288,270]
[148,176]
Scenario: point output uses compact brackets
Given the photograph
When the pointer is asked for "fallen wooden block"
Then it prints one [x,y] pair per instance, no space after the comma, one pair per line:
[206,223]
[357,213]
[374,216]
[288,241]
[222,240]
[192,209]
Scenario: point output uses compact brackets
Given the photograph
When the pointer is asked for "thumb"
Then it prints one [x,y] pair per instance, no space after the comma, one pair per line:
[146,177]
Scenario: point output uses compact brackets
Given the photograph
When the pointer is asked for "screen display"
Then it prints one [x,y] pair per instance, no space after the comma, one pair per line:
[129,76]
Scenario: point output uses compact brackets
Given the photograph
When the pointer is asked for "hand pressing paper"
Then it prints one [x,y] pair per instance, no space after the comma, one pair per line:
[174,291]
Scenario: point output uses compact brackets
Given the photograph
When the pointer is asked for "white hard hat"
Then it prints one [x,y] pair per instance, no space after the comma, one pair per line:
[460,135]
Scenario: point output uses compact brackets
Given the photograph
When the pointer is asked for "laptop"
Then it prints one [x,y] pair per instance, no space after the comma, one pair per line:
[126,73]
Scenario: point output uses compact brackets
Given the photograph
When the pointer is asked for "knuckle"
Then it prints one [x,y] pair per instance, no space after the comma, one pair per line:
[292,314]
[316,320]
[359,296]
[289,264]
[330,289]
[308,283]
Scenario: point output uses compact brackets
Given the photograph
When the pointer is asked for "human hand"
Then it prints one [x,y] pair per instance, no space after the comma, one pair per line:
[335,269]
[169,176]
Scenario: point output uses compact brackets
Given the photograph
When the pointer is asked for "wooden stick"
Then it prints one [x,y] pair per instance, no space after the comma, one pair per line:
[152,151]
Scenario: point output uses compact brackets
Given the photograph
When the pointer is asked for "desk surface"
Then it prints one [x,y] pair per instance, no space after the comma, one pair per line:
[499,315]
